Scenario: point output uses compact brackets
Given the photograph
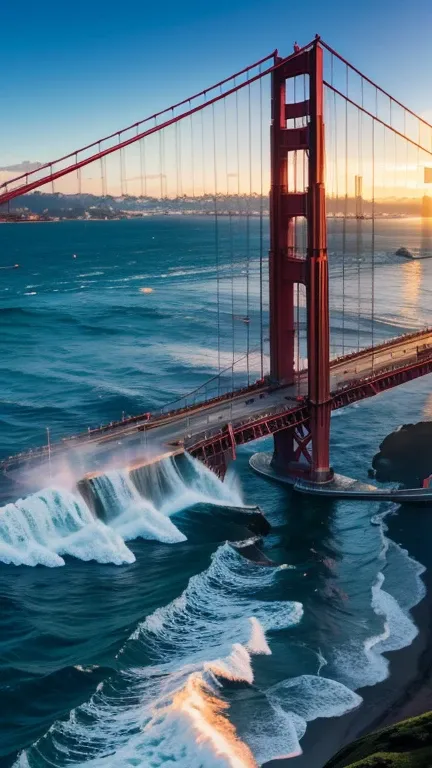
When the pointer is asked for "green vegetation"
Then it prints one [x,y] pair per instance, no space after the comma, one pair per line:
[407,744]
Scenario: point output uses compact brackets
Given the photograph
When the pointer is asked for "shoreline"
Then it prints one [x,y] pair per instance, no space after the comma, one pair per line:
[407,691]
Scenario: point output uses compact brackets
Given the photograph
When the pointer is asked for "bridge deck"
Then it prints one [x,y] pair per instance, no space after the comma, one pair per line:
[258,410]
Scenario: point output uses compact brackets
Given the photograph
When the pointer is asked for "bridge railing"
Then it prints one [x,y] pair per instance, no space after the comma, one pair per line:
[193,399]
[228,383]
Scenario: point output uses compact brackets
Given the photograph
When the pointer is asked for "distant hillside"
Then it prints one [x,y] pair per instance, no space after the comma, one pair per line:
[59,204]
[407,744]
[74,205]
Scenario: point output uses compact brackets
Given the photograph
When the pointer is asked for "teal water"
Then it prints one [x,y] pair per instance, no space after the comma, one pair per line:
[144,638]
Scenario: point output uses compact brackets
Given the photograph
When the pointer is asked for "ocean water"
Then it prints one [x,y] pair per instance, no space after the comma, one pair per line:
[133,630]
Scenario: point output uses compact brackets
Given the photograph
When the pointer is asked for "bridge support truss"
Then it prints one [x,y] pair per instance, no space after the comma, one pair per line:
[287,269]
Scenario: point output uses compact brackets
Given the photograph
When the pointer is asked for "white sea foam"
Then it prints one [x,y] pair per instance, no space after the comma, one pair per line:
[277,727]
[174,712]
[400,629]
[51,523]
[206,357]
[310,697]
[129,514]
[55,522]
[365,665]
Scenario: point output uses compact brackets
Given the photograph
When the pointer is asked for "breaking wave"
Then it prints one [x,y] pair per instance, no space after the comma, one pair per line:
[167,705]
[105,512]
[170,703]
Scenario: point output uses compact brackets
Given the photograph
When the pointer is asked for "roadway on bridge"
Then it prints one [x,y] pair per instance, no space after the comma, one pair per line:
[203,420]
[208,418]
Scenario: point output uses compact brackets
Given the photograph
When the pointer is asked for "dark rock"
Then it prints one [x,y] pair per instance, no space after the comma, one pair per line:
[405,456]
[404,252]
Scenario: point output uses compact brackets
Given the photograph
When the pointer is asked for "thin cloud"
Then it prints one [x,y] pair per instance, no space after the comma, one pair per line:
[23,167]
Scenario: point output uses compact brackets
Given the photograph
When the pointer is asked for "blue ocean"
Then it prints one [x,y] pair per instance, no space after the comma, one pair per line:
[142,636]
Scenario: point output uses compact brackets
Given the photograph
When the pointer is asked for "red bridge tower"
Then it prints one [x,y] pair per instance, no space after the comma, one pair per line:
[286,269]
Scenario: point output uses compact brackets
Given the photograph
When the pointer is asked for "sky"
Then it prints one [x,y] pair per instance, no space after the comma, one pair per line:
[72,72]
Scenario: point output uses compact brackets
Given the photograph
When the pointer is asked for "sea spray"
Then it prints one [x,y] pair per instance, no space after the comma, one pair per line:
[180,481]
[55,522]
[131,515]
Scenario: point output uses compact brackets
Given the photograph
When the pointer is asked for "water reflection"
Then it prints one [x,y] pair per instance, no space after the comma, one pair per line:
[411,286]
[427,409]
[426,237]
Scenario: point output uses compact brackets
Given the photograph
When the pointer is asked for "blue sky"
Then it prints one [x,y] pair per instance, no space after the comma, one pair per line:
[74,71]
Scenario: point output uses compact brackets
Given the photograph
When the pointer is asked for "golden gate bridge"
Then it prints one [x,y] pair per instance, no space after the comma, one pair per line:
[331,149]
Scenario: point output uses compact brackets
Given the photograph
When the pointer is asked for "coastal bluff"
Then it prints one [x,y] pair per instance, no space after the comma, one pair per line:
[407,744]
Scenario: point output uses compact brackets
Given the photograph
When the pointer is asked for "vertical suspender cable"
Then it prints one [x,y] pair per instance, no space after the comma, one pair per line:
[163,175]
[192,154]
[301,297]
[407,153]
[176,160]
[121,168]
[336,164]
[359,214]
[261,232]
[203,156]
[160,162]
[142,169]
[248,239]
[231,245]
[216,247]
[297,339]
[180,164]
[344,225]
[238,152]
[78,174]
[101,171]
[143,164]
[373,241]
